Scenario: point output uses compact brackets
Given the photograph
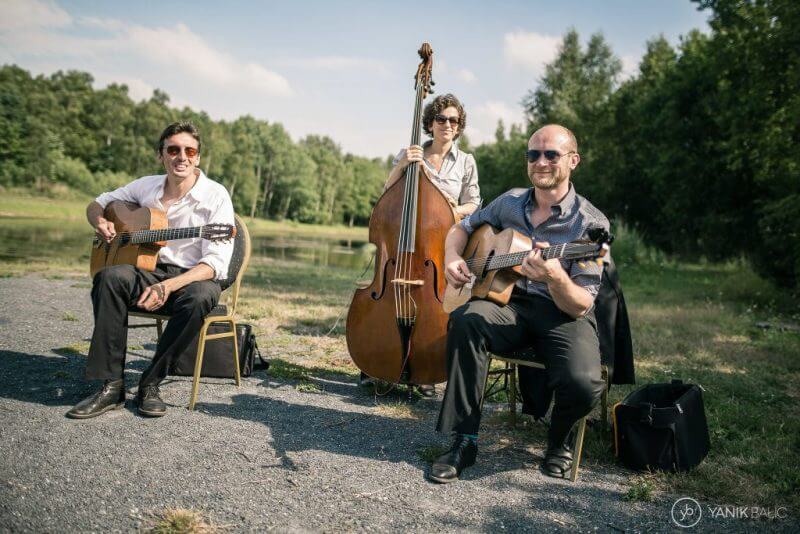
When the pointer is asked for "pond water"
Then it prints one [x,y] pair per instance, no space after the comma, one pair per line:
[33,240]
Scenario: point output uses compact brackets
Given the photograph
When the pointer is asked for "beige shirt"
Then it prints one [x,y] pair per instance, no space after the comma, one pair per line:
[458,177]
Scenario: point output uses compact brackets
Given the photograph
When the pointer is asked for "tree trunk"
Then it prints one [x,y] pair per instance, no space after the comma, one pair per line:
[285,207]
[255,197]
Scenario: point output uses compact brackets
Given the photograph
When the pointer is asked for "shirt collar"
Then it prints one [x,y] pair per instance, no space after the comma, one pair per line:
[563,207]
[452,154]
[201,188]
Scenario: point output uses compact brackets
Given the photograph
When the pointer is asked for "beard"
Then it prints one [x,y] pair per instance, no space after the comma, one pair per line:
[549,179]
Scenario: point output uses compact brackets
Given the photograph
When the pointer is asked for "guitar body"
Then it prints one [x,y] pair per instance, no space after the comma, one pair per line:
[495,285]
[128,217]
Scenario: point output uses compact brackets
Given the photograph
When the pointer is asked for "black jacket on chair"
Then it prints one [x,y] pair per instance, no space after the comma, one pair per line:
[616,348]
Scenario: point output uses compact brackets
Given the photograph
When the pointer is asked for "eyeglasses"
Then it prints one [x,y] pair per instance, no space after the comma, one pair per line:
[174,150]
[441,119]
[550,155]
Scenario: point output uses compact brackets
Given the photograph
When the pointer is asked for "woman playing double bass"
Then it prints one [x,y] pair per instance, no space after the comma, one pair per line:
[452,170]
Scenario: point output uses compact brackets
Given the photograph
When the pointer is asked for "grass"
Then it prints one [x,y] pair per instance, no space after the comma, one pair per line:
[641,489]
[696,322]
[431,452]
[68,316]
[79,348]
[182,521]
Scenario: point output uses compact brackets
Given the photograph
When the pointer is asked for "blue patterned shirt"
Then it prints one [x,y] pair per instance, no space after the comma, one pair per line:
[570,220]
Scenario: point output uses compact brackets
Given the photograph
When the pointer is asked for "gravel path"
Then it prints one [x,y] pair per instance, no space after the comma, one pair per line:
[264,456]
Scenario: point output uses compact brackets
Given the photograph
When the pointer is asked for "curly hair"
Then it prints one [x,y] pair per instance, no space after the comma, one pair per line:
[176,128]
[439,104]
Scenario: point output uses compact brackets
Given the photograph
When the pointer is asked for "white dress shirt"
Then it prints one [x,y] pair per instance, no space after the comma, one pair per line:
[206,202]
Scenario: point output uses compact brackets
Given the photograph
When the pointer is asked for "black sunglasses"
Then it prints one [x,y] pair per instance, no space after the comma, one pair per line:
[441,119]
[550,155]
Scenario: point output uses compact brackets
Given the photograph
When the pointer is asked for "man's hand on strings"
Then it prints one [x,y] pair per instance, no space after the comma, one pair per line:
[457,273]
[536,268]
[153,297]
[105,230]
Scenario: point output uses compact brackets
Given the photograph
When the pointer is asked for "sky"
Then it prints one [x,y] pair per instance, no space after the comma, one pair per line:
[338,68]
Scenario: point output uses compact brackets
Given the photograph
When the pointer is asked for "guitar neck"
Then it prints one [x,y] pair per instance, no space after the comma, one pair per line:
[565,250]
[165,234]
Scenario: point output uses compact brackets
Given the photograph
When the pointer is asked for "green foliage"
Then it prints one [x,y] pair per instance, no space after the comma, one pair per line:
[697,151]
[58,134]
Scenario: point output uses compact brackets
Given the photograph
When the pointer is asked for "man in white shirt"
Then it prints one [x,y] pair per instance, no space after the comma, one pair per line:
[185,283]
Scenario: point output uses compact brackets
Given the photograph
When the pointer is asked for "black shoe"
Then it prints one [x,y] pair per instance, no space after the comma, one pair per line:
[110,397]
[149,401]
[447,467]
[427,390]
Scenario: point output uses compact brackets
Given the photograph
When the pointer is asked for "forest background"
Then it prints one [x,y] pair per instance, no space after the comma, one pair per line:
[696,153]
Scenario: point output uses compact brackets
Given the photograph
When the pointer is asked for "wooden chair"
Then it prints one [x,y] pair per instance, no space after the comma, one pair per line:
[221,314]
[508,375]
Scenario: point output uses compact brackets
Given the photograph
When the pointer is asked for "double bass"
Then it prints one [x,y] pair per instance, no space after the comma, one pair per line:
[396,326]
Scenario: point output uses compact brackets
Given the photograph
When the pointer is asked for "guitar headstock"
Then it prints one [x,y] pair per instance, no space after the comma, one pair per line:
[218,232]
[599,235]
[594,248]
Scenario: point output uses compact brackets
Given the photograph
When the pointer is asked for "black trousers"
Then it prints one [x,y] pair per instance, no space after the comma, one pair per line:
[117,288]
[569,348]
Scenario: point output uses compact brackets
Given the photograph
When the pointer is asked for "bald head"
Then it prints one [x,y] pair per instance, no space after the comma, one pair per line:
[555,134]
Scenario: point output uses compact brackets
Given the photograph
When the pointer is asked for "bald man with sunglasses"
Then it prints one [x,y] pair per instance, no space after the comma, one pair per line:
[185,283]
[551,308]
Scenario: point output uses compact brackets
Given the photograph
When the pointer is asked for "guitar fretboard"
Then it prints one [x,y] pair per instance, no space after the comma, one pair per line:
[165,234]
[502,261]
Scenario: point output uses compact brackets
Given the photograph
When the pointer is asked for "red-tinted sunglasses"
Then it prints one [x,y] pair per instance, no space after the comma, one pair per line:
[174,150]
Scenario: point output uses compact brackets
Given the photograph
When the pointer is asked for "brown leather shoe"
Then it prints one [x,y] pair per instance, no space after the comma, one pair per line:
[149,401]
[110,397]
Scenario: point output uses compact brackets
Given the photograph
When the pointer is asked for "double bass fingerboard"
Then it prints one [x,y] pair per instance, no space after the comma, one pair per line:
[408,225]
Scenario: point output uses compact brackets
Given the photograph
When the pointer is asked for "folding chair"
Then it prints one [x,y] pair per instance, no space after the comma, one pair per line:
[222,313]
[508,376]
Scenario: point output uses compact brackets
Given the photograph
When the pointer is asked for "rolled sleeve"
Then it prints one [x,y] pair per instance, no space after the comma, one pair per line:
[470,190]
[587,276]
[217,254]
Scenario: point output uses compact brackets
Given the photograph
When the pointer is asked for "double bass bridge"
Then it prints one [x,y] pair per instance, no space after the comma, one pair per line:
[407,282]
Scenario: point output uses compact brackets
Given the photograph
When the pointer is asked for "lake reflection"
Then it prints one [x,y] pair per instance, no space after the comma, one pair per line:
[31,240]
[348,254]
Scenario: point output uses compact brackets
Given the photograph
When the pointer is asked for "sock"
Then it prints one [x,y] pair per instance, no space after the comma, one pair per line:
[472,437]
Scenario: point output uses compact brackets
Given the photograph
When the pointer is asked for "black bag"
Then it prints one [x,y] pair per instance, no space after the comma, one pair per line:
[218,355]
[661,427]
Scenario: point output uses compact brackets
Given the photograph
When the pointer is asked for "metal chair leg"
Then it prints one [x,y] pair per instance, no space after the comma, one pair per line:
[578,447]
[236,372]
[159,327]
[198,365]
[512,393]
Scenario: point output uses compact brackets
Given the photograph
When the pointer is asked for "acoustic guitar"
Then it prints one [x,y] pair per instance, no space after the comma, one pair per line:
[141,232]
[494,259]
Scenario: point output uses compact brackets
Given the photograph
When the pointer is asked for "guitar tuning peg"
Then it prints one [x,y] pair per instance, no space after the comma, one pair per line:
[432,82]
[581,265]
[599,262]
